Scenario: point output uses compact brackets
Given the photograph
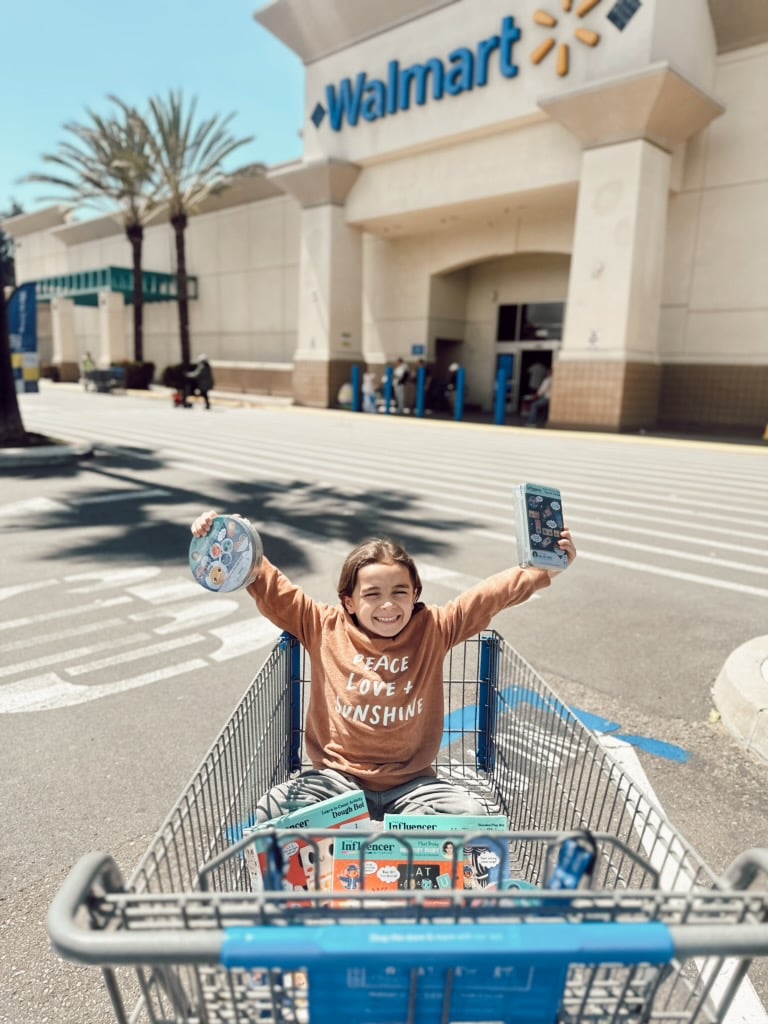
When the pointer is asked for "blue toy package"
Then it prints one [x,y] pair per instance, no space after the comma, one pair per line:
[575,862]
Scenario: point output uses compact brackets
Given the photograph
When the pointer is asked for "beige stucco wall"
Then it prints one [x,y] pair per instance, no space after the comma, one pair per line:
[246,262]
[713,303]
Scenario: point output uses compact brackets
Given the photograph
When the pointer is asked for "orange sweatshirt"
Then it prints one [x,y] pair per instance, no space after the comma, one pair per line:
[376,704]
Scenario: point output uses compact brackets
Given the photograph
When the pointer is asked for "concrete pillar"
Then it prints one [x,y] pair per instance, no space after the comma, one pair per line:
[112,340]
[611,328]
[330,281]
[608,373]
[64,354]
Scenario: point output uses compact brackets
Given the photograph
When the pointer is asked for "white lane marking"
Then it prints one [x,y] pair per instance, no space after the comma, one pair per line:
[429,573]
[24,588]
[135,655]
[726,563]
[447,577]
[661,844]
[65,634]
[98,499]
[654,570]
[634,545]
[688,577]
[238,638]
[18,509]
[50,691]
[62,613]
[77,652]
[94,581]
[187,614]
[166,590]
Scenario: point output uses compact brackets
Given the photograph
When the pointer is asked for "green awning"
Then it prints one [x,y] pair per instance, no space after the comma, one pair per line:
[84,287]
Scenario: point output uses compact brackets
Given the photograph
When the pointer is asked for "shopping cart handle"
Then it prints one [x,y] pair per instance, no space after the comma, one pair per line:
[745,869]
[94,876]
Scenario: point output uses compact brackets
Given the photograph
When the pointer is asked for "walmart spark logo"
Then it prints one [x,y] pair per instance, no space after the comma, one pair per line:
[585,36]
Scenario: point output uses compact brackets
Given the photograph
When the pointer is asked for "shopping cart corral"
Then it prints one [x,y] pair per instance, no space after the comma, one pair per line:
[651,935]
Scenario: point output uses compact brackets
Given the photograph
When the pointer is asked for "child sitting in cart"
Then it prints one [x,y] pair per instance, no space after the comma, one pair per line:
[375,717]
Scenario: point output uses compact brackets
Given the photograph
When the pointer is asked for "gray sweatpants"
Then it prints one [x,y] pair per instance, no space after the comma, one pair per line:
[425,795]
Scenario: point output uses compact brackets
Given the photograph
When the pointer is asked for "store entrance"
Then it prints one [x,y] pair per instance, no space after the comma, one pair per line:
[527,337]
[525,365]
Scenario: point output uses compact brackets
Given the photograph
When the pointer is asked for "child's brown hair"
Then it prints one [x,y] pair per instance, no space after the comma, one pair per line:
[375,549]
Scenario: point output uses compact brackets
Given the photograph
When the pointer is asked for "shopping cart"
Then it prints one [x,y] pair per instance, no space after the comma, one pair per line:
[653,935]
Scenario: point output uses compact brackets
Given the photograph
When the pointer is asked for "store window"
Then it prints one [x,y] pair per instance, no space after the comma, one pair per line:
[531,321]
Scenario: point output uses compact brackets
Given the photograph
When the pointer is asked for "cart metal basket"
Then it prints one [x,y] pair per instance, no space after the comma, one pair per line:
[654,936]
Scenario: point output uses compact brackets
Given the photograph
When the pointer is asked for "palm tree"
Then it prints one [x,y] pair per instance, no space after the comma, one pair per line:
[108,162]
[187,158]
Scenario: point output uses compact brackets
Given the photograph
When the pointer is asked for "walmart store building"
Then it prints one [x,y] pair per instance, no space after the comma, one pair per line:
[583,182]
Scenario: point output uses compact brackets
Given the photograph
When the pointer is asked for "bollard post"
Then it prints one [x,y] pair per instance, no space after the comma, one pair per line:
[501,397]
[458,412]
[357,404]
[421,385]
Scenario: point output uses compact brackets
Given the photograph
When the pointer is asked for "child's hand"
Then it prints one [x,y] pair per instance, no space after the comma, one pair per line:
[565,544]
[203,523]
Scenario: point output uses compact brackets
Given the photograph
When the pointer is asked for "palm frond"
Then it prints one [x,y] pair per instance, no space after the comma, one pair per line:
[104,161]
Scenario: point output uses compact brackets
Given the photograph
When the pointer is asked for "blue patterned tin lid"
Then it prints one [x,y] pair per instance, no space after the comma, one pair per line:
[228,556]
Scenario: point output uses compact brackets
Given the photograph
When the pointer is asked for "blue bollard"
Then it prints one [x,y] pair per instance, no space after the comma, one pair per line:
[458,412]
[421,387]
[501,397]
[357,403]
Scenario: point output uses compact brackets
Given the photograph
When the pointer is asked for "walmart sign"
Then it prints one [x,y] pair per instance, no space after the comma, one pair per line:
[463,69]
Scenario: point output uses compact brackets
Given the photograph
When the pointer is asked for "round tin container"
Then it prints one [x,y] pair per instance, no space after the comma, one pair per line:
[228,556]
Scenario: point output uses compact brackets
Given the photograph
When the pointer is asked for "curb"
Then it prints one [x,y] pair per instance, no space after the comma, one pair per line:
[741,695]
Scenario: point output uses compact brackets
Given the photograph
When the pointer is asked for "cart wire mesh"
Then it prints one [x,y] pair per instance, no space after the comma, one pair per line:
[511,741]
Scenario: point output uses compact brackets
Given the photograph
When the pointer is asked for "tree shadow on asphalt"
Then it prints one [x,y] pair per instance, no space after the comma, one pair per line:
[145,529]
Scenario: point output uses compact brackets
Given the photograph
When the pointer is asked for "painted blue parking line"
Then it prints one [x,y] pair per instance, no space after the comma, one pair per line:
[465,720]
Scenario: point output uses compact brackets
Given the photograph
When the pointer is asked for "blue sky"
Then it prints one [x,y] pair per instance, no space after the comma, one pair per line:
[59,57]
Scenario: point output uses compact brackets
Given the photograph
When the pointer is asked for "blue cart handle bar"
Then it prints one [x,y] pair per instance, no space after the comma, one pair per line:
[97,874]
[447,945]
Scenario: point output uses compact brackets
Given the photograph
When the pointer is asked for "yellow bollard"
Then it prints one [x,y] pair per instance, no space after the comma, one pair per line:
[765,433]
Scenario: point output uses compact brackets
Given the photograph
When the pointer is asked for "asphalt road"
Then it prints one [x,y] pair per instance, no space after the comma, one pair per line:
[117,671]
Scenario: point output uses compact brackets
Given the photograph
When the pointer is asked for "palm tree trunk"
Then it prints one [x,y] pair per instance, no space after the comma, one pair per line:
[135,234]
[12,432]
[179,222]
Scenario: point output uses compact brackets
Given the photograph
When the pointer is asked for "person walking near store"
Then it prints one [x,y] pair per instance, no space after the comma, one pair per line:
[536,373]
[87,366]
[375,715]
[539,411]
[198,381]
[369,391]
[400,377]
[451,387]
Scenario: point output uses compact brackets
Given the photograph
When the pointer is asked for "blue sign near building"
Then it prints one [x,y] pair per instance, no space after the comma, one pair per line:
[22,325]
[463,69]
